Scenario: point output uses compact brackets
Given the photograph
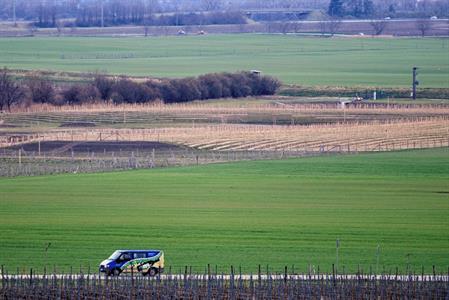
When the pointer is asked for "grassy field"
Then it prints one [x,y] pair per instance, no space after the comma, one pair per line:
[296,60]
[249,213]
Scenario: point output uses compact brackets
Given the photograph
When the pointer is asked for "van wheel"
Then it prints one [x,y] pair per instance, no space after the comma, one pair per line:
[116,272]
[152,272]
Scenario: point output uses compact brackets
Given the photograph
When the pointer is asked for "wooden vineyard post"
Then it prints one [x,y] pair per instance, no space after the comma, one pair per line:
[377,259]
[333,273]
[232,283]
[153,155]
[337,248]
[31,277]
[132,282]
[3,276]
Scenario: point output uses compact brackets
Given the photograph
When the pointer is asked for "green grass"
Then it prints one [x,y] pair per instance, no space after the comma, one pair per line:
[296,60]
[249,213]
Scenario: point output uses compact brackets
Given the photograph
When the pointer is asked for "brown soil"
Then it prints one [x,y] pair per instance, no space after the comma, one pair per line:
[55,146]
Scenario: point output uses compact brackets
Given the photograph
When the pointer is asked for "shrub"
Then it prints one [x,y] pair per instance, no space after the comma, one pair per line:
[239,85]
[79,94]
[11,92]
[128,91]
[268,85]
[124,90]
[104,86]
[41,91]
[168,93]
[186,89]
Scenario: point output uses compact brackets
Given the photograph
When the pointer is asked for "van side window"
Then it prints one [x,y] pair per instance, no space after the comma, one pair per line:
[139,255]
[124,257]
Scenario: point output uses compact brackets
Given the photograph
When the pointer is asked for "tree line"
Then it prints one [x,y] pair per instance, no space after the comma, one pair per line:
[391,8]
[355,8]
[124,90]
[53,13]
[91,18]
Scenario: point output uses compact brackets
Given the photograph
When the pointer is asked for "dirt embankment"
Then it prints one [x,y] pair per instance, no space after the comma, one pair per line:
[365,92]
[407,27]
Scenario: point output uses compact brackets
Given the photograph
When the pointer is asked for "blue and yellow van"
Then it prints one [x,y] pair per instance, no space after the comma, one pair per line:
[147,262]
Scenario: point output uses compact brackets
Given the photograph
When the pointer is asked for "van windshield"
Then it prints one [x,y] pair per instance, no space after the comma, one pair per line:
[115,255]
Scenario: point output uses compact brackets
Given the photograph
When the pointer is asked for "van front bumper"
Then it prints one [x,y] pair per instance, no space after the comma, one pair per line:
[103,269]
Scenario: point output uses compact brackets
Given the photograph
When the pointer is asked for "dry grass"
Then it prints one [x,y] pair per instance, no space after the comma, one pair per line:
[213,107]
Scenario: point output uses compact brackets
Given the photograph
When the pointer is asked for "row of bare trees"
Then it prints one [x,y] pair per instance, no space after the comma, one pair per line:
[50,12]
[90,18]
[423,26]
[332,25]
[124,90]
[10,91]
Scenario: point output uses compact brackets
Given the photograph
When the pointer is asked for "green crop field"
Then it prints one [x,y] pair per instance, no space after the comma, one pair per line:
[295,60]
[287,212]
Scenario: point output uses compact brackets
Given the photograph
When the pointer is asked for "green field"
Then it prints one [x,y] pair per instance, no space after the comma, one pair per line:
[287,212]
[295,60]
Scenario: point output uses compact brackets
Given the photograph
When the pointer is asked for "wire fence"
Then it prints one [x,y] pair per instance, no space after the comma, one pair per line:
[29,163]
[285,284]
[93,158]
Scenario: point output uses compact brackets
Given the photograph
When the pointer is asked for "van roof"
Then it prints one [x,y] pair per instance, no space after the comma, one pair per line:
[129,250]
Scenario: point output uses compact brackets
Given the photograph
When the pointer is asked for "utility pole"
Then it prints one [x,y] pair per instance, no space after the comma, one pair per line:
[14,13]
[337,247]
[102,13]
[415,82]
[377,259]
[47,246]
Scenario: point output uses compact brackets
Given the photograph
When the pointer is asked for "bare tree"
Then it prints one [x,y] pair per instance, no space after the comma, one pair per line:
[10,92]
[41,91]
[297,27]
[378,26]
[210,5]
[423,26]
[323,26]
[329,25]
[59,27]
[285,27]
[334,24]
[32,29]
